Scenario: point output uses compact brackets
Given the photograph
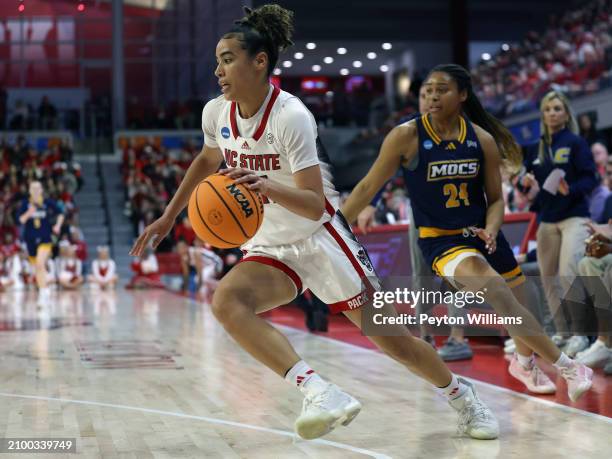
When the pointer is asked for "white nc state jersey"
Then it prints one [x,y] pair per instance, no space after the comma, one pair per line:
[278,141]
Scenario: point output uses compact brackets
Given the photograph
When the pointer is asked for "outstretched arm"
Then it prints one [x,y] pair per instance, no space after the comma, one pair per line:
[399,144]
[205,164]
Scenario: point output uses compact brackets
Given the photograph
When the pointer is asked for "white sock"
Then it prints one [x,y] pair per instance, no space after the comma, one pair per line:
[304,378]
[527,361]
[454,390]
[563,362]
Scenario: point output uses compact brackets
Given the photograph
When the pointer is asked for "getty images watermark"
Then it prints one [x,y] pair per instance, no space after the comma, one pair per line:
[488,306]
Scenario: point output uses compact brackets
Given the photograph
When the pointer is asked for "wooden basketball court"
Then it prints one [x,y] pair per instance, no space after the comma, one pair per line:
[151,374]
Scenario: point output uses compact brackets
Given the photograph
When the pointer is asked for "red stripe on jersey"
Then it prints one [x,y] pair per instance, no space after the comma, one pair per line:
[345,248]
[329,208]
[262,125]
[233,122]
[264,120]
[352,303]
[278,265]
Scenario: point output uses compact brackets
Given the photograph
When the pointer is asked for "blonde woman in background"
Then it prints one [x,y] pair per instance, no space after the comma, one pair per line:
[561,167]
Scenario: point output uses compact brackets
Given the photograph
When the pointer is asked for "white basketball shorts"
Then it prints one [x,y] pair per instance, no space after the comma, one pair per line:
[331,263]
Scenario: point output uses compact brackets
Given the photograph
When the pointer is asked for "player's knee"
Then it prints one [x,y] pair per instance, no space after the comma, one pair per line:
[228,306]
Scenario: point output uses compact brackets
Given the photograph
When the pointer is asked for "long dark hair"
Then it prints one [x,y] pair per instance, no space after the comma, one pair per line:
[267,28]
[473,109]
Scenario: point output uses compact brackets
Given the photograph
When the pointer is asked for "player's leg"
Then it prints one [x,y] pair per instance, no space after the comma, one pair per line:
[476,275]
[251,288]
[574,233]
[523,365]
[418,356]
[42,254]
[548,250]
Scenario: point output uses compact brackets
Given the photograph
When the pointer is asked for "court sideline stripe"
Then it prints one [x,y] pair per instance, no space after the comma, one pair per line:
[283,433]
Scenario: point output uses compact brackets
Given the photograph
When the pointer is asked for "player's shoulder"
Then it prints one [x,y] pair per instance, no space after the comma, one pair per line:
[404,132]
[215,104]
[290,112]
[290,105]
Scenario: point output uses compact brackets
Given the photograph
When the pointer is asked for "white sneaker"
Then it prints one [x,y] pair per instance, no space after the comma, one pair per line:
[323,411]
[595,356]
[475,418]
[509,346]
[44,297]
[559,340]
[575,345]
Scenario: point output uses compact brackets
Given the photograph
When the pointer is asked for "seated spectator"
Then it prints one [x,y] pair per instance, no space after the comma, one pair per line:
[588,130]
[183,251]
[6,280]
[70,269]
[76,237]
[600,156]
[208,266]
[103,270]
[597,267]
[146,272]
[51,266]
[184,231]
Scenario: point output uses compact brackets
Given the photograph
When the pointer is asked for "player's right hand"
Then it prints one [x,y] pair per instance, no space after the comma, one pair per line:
[158,229]
[365,219]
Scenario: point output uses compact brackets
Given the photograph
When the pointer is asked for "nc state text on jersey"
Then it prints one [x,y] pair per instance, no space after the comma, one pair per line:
[264,162]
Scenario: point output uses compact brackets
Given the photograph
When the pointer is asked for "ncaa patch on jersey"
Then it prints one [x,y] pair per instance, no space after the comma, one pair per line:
[427,144]
[225,132]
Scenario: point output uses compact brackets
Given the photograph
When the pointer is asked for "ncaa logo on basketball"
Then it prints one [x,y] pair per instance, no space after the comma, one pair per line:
[472,144]
[440,170]
[225,132]
[428,145]
[270,138]
[241,199]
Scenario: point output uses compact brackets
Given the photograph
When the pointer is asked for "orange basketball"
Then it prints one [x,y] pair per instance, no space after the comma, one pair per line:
[223,213]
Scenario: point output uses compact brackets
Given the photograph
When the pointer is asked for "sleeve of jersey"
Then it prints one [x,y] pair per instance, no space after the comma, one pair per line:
[210,117]
[586,171]
[297,133]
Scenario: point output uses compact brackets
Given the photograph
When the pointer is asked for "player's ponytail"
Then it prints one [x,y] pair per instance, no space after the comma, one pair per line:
[473,109]
[267,28]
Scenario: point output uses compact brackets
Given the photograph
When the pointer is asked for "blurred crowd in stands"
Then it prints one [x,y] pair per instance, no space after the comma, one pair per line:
[60,176]
[573,55]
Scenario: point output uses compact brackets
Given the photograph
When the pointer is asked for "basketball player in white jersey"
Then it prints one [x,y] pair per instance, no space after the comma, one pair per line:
[269,142]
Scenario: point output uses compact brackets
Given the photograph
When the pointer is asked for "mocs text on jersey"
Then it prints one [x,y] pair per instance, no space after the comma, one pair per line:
[441,170]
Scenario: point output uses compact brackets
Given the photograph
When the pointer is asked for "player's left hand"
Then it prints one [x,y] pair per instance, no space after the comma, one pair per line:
[489,237]
[57,229]
[563,187]
[252,181]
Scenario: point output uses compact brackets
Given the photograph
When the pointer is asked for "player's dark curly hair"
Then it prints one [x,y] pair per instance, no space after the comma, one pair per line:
[267,28]
[511,152]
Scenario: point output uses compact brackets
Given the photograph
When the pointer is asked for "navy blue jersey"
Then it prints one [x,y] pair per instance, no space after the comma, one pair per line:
[447,185]
[39,227]
[572,154]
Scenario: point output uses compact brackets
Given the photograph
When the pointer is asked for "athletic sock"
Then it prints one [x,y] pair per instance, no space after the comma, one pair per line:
[527,361]
[305,378]
[563,362]
[454,390]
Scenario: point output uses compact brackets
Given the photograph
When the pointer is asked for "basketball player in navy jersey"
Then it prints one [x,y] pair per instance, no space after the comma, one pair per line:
[269,140]
[37,214]
[453,155]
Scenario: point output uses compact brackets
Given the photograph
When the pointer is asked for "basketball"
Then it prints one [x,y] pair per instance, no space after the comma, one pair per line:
[223,213]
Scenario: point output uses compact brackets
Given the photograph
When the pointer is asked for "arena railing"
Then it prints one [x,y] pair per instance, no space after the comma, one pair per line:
[40,140]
